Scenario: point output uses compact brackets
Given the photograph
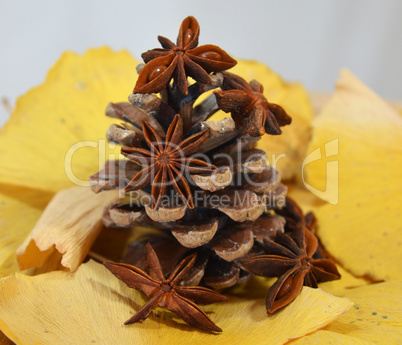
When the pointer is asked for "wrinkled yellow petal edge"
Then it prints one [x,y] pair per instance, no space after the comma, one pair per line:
[45,308]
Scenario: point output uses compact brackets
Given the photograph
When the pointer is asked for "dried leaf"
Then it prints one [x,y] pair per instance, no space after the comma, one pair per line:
[374,319]
[66,109]
[66,230]
[363,133]
[85,296]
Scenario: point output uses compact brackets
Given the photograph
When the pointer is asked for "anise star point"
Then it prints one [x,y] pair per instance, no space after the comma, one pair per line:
[180,60]
[168,293]
[291,259]
[249,107]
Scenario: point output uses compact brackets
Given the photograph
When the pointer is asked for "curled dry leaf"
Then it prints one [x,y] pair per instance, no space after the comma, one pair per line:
[66,230]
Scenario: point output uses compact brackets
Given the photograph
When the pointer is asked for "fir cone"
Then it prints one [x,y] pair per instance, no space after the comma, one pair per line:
[232,202]
[202,183]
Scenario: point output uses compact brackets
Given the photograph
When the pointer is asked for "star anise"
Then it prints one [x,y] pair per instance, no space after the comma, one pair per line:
[168,293]
[249,108]
[290,257]
[167,162]
[181,60]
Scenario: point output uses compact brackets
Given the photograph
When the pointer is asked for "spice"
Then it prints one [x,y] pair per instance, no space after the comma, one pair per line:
[249,108]
[181,60]
[167,161]
[294,258]
[168,293]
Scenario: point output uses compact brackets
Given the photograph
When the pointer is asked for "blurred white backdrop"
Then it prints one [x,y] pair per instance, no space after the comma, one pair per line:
[307,41]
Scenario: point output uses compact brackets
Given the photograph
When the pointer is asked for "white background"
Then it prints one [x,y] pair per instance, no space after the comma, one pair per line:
[304,40]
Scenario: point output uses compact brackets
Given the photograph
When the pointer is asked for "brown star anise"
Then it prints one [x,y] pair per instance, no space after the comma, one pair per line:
[249,108]
[290,259]
[181,60]
[167,162]
[168,293]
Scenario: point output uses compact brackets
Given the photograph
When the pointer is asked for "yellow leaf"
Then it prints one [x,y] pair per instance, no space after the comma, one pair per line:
[66,109]
[363,230]
[91,306]
[286,151]
[20,208]
[66,230]
[375,318]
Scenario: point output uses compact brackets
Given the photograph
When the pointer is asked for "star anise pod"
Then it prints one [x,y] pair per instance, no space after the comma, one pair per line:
[290,257]
[181,60]
[249,108]
[167,161]
[168,293]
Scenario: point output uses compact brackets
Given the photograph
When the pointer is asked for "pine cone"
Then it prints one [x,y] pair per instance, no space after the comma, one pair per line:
[232,205]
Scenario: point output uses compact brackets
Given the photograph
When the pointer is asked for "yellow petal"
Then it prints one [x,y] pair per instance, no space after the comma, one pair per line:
[67,108]
[20,208]
[91,306]
[66,230]
[375,318]
[363,230]
[285,151]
